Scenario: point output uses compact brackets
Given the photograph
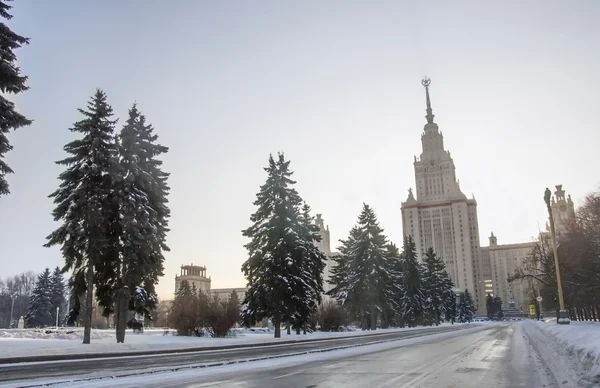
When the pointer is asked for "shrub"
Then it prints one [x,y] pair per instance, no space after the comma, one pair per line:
[332,316]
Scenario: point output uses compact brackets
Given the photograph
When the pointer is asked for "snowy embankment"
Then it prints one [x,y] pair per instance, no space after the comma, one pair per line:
[574,347]
[37,342]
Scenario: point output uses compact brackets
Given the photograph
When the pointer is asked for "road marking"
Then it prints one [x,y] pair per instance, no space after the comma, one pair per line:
[209,384]
[288,375]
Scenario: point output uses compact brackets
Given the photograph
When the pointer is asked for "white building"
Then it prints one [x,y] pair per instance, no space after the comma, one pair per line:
[498,262]
[501,261]
[195,275]
[441,216]
[325,247]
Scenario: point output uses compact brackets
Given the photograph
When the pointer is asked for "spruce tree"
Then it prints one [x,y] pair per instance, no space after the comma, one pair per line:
[466,307]
[413,298]
[11,82]
[437,287]
[85,202]
[364,285]
[39,312]
[310,264]
[395,286]
[143,218]
[280,260]
[57,294]
[470,305]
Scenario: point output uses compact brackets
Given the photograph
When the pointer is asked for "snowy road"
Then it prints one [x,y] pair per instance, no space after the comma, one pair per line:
[507,355]
[28,374]
[491,357]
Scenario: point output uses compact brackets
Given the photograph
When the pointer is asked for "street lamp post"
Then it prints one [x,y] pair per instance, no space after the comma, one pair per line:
[12,309]
[563,316]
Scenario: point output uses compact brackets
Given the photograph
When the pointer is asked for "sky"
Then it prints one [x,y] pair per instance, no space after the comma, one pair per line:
[336,85]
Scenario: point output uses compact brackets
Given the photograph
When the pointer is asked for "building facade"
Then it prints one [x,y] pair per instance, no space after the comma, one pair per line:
[441,216]
[195,275]
[325,247]
[498,262]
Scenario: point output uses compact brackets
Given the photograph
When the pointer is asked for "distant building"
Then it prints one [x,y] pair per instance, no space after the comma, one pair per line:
[325,247]
[196,275]
[498,262]
[441,216]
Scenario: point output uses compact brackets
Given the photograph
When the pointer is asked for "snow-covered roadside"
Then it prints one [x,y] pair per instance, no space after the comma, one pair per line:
[570,352]
[137,378]
[18,343]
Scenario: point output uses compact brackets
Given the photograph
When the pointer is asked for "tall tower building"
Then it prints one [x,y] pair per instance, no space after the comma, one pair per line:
[441,216]
[563,211]
[325,247]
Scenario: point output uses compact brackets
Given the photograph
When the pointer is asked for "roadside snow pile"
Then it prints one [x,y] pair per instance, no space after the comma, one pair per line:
[582,342]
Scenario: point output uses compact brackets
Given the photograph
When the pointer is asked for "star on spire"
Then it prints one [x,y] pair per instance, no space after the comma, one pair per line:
[426,82]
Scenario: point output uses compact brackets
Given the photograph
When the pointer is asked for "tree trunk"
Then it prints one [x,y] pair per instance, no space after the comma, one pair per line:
[298,330]
[89,301]
[121,307]
[373,318]
[277,326]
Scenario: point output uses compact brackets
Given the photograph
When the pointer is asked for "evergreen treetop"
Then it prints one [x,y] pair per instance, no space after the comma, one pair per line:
[11,82]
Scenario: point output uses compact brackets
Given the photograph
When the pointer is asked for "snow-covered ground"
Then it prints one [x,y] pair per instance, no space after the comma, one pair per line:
[33,342]
[571,352]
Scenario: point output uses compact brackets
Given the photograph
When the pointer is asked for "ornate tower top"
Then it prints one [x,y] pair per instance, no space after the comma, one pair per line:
[426,82]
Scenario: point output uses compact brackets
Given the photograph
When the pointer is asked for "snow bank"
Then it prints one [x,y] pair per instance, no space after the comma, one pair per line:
[580,340]
[34,342]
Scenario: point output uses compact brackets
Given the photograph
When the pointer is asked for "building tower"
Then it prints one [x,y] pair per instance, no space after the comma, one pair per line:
[441,216]
[563,211]
[325,247]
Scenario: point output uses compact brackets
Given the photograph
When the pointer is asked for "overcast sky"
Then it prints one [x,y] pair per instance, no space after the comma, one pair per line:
[333,84]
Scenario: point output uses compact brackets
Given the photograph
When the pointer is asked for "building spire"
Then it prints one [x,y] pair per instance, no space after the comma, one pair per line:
[426,82]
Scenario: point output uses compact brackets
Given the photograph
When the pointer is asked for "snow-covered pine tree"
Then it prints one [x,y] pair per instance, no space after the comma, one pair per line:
[39,311]
[471,309]
[462,308]
[275,270]
[83,199]
[310,263]
[57,294]
[413,298]
[365,292]
[142,220]
[157,190]
[11,82]
[450,306]
[395,286]
[466,307]
[437,286]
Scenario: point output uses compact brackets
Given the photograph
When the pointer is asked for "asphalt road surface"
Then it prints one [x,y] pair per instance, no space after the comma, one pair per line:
[32,373]
[493,356]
